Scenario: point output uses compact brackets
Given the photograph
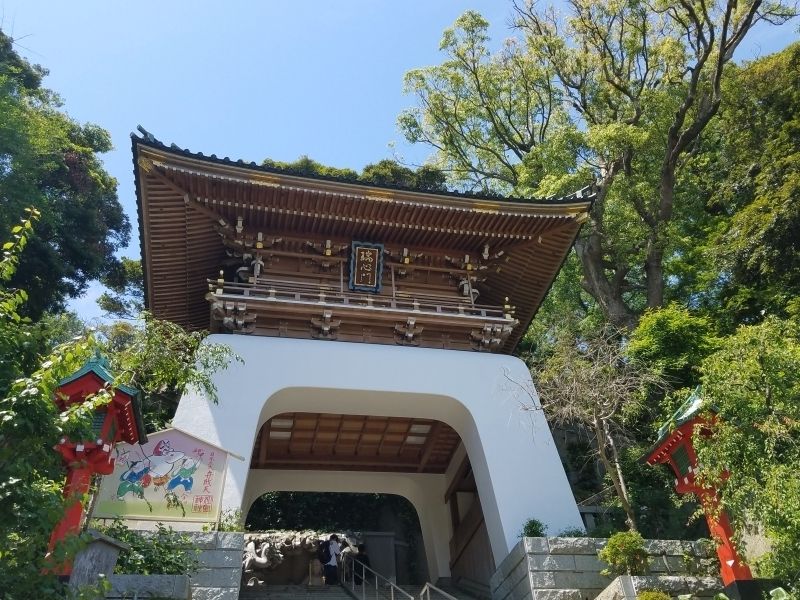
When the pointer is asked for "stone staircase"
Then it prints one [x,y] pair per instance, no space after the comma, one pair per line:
[335,592]
[447,588]
[293,592]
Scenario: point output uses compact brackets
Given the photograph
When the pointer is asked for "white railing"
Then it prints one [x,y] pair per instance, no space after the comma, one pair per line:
[372,584]
[425,594]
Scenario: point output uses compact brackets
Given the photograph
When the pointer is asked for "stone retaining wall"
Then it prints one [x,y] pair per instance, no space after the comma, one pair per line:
[221,572]
[568,568]
[218,578]
[627,587]
[125,587]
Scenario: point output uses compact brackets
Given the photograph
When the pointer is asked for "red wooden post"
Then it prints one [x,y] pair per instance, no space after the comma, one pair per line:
[119,420]
[676,449]
[78,481]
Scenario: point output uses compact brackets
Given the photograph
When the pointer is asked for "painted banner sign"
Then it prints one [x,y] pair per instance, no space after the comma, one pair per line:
[172,473]
[366,267]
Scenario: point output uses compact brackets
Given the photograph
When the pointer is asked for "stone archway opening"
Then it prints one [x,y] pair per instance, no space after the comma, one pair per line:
[387,524]
[423,459]
[513,466]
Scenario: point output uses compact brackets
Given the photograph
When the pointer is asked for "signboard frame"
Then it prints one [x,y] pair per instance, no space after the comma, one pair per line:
[358,251]
[109,505]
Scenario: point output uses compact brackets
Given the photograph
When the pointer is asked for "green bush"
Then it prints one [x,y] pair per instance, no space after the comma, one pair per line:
[229,520]
[652,595]
[605,530]
[572,532]
[160,552]
[533,528]
[625,554]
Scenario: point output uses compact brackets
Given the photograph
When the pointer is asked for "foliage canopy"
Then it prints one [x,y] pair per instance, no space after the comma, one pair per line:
[50,162]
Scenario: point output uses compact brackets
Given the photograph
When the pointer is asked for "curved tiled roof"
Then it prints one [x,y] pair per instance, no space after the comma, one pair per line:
[181,194]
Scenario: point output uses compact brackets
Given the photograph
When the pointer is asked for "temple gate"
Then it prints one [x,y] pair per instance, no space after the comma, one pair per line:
[376,327]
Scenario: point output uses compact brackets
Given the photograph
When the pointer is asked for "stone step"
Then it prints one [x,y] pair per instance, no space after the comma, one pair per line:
[558,594]
[292,592]
[302,592]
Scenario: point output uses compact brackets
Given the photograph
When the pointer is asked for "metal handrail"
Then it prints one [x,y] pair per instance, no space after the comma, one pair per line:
[354,564]
[425,594]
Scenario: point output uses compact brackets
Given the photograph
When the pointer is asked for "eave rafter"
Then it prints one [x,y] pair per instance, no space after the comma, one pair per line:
[161,171]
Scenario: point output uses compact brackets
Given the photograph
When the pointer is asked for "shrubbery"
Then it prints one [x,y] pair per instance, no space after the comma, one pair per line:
[652,595]
[625,554]
[163,551]
[533,528]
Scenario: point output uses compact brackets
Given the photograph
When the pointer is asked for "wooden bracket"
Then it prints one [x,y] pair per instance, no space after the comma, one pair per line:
[325,328]
[407,334]
[490,337]
[233,316]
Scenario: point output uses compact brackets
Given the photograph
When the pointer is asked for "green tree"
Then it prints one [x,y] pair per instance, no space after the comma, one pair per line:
[124,297]
[307,167]
[617,93]
[752,455]
[751,173]
[391,173]
[589,381]
[50,162]
[162,361]
[159,357]
[30,491]
[384,172]
[673,342]
[333,511]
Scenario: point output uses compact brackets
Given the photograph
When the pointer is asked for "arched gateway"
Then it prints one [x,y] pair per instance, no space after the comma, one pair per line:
[375,327]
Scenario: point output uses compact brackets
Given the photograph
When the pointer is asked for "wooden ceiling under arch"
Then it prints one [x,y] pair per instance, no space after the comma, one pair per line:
[323,441]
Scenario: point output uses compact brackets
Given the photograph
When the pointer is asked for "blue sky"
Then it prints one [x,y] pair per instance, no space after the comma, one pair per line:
[249,79]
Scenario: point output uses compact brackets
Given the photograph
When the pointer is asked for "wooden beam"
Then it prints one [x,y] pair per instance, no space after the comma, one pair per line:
[152,170]
[361,433]
[383,437]
[339,434]
[316,431]
[333,460]
[405,438]
[433,437]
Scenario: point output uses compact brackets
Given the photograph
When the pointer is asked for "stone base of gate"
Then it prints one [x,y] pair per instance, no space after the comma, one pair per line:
[568,569]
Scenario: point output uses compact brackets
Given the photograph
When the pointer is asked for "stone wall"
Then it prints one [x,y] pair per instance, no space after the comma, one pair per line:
[221,572]
[124,587]
[568,568]
[627,587]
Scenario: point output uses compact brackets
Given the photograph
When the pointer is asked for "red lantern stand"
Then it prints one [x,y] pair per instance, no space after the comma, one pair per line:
[118,421]
[676,449]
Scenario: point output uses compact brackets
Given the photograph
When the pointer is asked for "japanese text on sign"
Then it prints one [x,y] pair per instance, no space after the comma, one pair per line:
[366,267]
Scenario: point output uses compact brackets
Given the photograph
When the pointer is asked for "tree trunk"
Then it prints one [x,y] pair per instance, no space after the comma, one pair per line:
[654,271]
[654,261]
[614,470]
[590,253]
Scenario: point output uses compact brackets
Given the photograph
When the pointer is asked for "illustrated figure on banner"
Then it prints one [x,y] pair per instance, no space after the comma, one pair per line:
[156,470]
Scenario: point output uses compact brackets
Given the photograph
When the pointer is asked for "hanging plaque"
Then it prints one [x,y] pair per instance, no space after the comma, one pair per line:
[174,477]
[366,267]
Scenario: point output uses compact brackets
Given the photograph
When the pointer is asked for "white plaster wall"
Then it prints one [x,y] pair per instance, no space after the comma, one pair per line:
[424,491]
[516,466]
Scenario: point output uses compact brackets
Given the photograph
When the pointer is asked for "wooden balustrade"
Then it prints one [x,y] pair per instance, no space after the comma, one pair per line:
[266,289]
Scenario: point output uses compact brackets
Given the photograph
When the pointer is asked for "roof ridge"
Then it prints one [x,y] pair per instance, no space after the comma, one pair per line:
[587,193]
